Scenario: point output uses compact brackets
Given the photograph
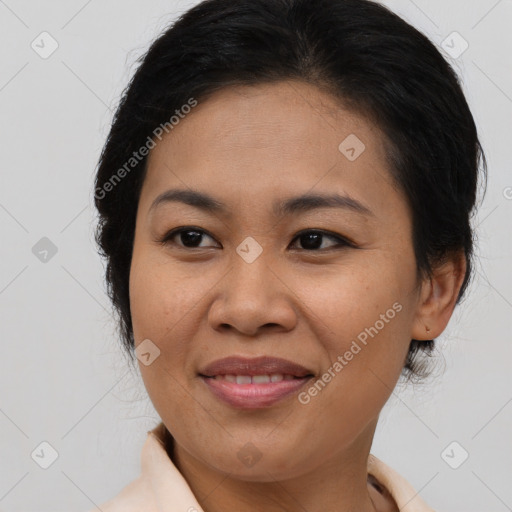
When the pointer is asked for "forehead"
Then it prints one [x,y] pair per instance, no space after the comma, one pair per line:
[273,117]
[269,140]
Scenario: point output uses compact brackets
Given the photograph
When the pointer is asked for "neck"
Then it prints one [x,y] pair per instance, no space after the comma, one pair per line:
[340,484]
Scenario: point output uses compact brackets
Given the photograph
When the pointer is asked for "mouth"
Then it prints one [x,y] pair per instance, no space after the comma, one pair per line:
[255,367]
[254,383]
[256,391]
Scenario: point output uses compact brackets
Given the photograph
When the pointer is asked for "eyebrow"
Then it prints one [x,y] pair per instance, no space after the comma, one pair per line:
[299,204]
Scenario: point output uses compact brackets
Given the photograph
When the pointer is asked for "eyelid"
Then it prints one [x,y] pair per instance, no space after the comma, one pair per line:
[175,231]
[328,234]
[342,240]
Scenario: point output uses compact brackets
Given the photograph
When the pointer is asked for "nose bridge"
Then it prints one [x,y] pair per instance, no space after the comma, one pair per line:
[250,270]
[252,296]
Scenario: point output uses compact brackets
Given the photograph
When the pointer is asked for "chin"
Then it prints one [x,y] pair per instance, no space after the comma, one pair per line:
[266,464]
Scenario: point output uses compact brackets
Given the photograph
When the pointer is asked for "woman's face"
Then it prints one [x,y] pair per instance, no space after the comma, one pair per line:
[242,281]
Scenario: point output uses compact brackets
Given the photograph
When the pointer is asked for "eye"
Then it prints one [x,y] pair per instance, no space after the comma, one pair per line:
[312,239]
[189,237]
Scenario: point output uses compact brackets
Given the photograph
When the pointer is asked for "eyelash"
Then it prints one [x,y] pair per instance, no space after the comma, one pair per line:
[342,241]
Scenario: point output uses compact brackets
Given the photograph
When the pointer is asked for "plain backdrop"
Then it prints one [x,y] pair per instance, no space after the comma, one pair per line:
[63,377]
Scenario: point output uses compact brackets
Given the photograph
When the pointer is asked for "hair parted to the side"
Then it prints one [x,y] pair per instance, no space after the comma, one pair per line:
[359,51]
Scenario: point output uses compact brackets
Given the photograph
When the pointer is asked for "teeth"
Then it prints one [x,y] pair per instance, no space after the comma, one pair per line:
[260,379]
[255,379]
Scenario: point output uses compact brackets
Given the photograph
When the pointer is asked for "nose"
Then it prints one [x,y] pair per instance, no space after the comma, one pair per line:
[253,297]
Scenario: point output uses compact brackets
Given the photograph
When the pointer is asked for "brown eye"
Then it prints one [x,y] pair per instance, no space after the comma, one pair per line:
[190,238]
[312,240]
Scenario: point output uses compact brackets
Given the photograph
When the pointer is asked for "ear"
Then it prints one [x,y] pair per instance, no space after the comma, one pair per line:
[438,296]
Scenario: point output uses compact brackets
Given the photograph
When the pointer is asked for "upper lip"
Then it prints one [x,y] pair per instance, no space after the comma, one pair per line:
[263,365]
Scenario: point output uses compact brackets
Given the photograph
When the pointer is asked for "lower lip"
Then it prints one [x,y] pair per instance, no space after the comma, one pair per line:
[253,396]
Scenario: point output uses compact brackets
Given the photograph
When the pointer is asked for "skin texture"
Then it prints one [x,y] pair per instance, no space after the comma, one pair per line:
[248,147]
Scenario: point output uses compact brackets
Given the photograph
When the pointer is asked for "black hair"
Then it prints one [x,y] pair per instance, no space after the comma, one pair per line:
[366,56]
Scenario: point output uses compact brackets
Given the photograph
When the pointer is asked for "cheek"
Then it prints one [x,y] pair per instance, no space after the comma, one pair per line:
[363,321]
[159,304]
[161,297]
[366,346]
[348,300]
[164,301]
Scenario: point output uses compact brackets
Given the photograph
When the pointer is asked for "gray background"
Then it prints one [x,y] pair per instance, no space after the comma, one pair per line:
[63,378]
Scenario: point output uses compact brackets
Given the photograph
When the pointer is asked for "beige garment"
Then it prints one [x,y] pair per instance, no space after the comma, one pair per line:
[162,488]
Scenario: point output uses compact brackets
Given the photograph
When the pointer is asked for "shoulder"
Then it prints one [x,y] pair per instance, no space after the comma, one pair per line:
[396,487]
[136,496]
[139,494]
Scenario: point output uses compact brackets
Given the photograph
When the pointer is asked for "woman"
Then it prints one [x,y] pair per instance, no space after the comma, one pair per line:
[285,199]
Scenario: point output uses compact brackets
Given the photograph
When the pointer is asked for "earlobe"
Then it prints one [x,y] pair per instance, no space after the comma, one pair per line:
[438,298]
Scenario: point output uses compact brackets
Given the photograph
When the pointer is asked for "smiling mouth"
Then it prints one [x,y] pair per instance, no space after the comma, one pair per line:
[251,392]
